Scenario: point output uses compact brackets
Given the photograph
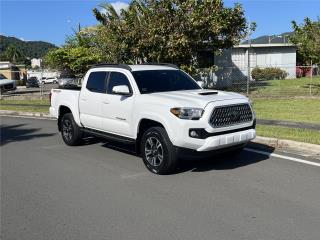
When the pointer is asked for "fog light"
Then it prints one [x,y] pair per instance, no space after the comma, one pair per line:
[194,134]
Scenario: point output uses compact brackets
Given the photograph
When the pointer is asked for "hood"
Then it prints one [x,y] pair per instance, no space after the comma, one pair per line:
[6,81]
[194,98]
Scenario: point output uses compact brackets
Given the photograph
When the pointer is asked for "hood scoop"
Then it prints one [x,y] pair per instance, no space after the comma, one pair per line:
[208,93]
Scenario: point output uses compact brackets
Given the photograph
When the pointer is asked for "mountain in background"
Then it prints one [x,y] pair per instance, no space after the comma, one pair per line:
[280,38]
[29,49]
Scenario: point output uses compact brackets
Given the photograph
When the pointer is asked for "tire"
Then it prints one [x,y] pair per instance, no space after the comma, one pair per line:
[154,144]
[70,132]
[55,82]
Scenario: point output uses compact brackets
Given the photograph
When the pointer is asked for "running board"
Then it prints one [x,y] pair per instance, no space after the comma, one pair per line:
[109,136]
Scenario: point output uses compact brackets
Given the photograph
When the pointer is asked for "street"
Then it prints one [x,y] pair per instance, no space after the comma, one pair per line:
[102,190]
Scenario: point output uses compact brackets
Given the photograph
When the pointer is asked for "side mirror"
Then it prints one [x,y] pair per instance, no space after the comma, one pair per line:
[121,90]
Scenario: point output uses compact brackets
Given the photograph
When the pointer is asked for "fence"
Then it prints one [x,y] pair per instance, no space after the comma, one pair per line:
[273,81]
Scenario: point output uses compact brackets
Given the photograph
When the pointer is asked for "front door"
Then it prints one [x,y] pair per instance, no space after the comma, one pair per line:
[117,109]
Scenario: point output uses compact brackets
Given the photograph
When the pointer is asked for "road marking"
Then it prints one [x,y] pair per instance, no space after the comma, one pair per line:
[283,156]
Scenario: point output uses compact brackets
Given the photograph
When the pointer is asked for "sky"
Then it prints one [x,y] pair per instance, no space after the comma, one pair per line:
[53,20]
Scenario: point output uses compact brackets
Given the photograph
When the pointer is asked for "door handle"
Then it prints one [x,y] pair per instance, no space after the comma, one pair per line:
[84,99]
[105,102]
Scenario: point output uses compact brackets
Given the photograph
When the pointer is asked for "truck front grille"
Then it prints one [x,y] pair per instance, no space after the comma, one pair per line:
[225,116]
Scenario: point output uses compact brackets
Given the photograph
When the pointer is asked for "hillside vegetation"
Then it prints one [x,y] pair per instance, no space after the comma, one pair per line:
[29,49]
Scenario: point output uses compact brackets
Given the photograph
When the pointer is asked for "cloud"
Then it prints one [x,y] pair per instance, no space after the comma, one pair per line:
[118,5]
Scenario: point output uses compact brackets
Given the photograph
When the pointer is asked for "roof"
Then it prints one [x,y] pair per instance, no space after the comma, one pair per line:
[265,45]
[138,67]
[144,67]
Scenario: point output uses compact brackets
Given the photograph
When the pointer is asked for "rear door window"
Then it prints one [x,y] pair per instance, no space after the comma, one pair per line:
[97,82]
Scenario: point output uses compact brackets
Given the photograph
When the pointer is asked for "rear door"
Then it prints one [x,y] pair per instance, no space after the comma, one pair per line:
[91,97]
[117,109]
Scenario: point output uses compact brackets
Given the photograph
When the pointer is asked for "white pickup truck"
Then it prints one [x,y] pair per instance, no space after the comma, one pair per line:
[156,106]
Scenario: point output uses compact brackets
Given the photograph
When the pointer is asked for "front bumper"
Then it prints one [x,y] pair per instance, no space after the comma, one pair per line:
[227,140]
[223,140]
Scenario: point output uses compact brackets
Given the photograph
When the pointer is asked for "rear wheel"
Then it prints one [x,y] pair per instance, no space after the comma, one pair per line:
[158,153]
[70,132]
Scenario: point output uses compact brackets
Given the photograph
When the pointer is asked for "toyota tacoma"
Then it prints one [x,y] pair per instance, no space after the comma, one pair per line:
[157,107]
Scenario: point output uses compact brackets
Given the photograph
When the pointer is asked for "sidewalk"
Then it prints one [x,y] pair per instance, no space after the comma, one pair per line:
[288,124]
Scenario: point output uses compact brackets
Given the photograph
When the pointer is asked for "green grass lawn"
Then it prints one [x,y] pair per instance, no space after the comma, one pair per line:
[295,109]
[286,88]
[33,102]
[35,108]
[295,134]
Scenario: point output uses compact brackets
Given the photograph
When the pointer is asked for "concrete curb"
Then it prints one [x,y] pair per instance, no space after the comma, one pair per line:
[25,114]
[281,143]
[271,142]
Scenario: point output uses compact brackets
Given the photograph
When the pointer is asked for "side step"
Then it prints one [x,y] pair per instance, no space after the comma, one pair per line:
[110,136]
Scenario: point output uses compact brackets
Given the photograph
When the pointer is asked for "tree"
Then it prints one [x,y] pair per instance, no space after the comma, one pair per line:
[172,30]
[13,54]
[307,38]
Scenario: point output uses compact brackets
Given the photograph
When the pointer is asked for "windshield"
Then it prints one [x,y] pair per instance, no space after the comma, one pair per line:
[2,77]
[151,81]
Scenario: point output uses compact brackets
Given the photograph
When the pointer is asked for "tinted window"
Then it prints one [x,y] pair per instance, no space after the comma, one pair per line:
[96,82]
[117,79]
[163,81]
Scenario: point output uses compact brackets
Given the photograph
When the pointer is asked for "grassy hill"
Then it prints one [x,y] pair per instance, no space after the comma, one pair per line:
[29,49]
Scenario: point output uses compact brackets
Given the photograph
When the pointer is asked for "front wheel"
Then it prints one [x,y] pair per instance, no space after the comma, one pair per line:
[158,153]
[71,133]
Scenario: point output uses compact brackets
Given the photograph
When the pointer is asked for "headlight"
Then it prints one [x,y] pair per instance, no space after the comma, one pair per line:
[187,113]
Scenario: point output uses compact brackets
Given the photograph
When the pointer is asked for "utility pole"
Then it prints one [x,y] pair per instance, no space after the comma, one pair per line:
[249,72]
[311,76]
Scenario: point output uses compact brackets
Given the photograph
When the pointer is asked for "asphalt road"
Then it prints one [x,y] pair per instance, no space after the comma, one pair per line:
[102,191]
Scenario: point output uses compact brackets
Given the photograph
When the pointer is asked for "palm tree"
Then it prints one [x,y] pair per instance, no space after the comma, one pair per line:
[13,54]
[107,14]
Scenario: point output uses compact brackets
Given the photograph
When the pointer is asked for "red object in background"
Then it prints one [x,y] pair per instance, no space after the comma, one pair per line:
[50,94]
[303,71]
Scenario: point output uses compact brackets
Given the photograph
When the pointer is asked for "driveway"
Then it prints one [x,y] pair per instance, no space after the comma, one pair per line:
[102,190]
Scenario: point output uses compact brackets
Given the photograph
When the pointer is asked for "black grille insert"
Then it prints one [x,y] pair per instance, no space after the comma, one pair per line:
[225,116]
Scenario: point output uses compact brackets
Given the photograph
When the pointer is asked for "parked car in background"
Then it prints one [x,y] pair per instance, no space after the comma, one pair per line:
[49,80]
[67,81]
[32,82]
[7,84]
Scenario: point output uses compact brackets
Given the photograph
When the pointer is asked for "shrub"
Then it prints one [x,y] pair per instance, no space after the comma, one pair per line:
[261,74]
[20,82]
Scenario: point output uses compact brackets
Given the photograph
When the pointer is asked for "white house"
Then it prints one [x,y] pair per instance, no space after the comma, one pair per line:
[233,63]
[36,62]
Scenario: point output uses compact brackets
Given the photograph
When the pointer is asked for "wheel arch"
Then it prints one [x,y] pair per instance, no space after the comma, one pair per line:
[143,125]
